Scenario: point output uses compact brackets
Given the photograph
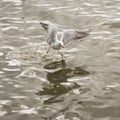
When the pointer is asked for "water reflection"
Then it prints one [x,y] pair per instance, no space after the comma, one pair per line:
[58,80]
[56,64]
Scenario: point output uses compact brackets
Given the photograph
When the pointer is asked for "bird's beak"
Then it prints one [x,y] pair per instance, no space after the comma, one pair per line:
[62,46]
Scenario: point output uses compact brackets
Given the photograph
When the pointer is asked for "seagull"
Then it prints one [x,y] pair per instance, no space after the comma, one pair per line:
[67,36]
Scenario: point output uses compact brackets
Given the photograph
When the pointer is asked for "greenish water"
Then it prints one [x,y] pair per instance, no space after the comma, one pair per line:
[83,86]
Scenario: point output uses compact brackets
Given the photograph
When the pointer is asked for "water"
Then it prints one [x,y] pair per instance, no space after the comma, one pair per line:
[83,86]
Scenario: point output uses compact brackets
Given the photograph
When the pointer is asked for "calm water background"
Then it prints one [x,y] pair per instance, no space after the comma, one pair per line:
[84,86]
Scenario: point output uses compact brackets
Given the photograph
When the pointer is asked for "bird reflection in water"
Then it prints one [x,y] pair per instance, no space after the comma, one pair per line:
[56,64]
[58,77]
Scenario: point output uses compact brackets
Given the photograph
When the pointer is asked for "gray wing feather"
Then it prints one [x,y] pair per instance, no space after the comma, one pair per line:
[49,27]
[73,34]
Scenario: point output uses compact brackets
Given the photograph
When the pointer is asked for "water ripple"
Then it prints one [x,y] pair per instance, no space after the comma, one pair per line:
[16,2]
[83,86]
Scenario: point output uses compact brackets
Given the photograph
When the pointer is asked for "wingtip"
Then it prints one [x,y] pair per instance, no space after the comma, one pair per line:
[42,23]
[88,31]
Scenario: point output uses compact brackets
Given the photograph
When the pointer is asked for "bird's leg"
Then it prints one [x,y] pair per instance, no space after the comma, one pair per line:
[47,51]
[61,54]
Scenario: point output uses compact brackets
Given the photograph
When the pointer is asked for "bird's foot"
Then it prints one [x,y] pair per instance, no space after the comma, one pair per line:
[63,57]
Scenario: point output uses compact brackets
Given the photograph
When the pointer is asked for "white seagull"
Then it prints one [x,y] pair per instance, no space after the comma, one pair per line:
[66,37]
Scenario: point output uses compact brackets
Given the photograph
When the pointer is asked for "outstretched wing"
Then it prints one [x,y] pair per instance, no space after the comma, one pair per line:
[49,27]
[72,34]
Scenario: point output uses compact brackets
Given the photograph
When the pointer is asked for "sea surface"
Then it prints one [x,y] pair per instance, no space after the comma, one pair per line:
[85,85]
